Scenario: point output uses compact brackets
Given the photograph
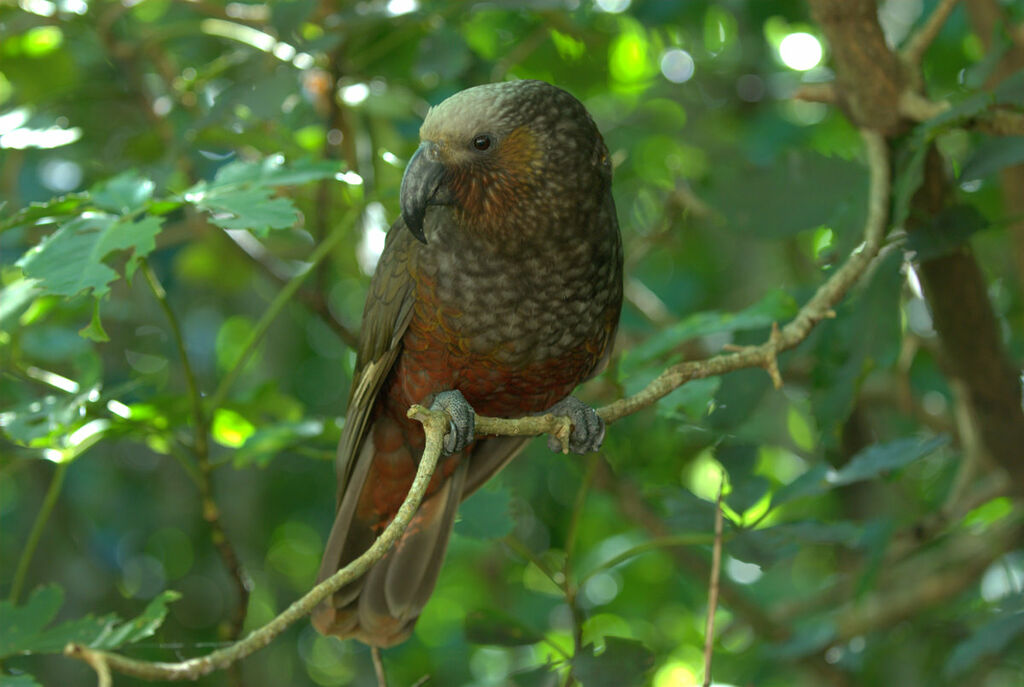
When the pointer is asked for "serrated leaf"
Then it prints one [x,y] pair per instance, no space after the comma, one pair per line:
[53,208]
[945,232]
[124,193]
[252,209]
[988,640]
[24,628]
[485,514]
[70,260]
[495,627]
[271,171]
[623,663]
[880,458]
[145,625]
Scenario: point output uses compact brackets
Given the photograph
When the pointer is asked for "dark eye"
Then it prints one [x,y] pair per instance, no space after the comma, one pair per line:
[482,142]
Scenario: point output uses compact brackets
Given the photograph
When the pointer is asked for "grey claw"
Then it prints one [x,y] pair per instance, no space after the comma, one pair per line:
[462,427]
[587,426]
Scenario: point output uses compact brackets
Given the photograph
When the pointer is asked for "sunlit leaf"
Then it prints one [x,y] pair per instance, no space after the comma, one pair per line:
[125,193]
[71,259]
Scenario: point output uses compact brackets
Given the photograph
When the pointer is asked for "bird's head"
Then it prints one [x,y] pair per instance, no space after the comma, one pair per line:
[500,152]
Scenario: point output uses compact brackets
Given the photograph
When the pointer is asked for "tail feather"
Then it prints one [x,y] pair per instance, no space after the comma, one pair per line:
[381,607]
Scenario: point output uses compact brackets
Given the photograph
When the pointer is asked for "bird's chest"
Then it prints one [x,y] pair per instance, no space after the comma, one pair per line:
[513,336]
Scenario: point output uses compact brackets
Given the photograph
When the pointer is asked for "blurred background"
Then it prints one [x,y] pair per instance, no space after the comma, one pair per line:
[735,199]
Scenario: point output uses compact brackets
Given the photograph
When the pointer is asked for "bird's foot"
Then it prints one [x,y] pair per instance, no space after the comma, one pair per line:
[587,426]
[462,426]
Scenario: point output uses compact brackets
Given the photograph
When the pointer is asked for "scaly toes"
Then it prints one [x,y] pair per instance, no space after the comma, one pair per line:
[462,427]
[587,426]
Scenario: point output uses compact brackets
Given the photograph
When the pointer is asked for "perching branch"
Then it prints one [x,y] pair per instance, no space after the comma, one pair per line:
[435,424]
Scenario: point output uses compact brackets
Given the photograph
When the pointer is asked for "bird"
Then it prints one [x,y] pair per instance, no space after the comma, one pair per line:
[498,292]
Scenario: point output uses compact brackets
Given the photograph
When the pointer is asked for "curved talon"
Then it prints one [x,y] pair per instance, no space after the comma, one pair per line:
[462,422]
[587,433]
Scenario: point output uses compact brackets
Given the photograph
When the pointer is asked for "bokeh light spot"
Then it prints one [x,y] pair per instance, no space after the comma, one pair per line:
[800,51]
[677,65]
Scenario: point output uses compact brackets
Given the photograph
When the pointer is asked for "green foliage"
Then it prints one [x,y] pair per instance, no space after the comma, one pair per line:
[218,151]
[25,628]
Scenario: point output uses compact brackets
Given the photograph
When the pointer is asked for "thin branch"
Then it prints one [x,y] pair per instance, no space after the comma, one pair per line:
[716,571]
[378,666]
[195,399]
[49,501]
[917,45]
[817,93]
[210,509]
[435,426]
[274,309]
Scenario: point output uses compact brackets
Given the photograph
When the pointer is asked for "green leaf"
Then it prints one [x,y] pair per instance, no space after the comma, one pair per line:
[882,458]
[496,627]
[23,680]
[485,514]
[775,306]
[810,483]
[988,640]
[70,260]
[48,417]
[992,155]
[145,625]
[15,297]
[623,663]
[909,175]
[94,330]
[247,208]
[240,195]
[123,194]
[24,628]
[50,210]
[946,231]
[269,440]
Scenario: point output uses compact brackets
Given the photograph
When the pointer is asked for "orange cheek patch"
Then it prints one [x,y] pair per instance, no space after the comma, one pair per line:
[488,189]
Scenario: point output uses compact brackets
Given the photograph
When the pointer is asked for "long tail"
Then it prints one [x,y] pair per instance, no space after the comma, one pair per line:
[381,607]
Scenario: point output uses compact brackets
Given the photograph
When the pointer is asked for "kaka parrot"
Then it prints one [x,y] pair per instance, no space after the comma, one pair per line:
[498,292]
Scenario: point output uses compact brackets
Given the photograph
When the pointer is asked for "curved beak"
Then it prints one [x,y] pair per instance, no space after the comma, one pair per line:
[421,187]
